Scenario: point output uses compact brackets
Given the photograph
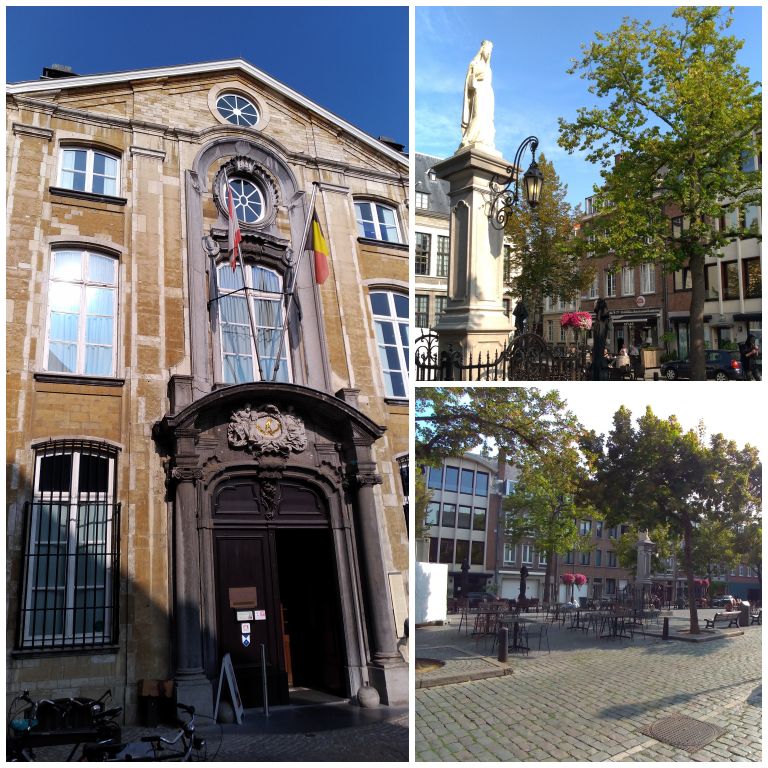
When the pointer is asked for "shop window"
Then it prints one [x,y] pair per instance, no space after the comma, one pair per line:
[82,307]
[244,358]
[89,170]
[71,569]
[390,317]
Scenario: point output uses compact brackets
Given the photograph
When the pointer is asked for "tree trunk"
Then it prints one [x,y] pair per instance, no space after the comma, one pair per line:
[696,327]
[688,554]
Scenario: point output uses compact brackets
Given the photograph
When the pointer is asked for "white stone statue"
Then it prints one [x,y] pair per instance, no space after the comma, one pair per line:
[477,115]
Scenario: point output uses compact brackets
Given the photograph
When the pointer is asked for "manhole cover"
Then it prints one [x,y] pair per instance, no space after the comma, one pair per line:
[428,665]
[683,732]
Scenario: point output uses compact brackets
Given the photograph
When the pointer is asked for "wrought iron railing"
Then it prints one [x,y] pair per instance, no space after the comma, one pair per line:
[526,357]
[69,596]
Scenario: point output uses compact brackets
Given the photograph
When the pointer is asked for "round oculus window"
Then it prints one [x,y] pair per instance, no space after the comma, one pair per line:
[237,109]
[247,199]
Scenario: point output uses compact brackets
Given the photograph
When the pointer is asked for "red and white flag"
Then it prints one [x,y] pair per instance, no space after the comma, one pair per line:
[235,236]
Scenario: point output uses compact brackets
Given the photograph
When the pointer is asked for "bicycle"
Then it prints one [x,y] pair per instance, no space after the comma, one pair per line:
[34,725]
[191,748]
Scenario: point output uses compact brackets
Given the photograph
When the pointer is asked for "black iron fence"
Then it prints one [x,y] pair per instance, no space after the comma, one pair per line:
[71,574]
[527,357]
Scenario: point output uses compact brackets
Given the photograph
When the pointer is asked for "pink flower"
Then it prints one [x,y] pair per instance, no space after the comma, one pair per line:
[579,579]
[568,578]
[580,320]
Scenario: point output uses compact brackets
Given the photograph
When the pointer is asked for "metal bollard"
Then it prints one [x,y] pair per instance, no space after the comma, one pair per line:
[503,644]
[665,629]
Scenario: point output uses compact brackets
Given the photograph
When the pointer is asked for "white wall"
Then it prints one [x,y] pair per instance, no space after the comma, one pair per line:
[431,592]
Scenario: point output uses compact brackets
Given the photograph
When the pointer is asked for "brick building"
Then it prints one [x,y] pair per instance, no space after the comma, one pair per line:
[189,475]
[465,518]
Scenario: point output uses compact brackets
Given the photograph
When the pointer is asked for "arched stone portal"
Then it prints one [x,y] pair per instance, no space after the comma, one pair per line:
[250,466]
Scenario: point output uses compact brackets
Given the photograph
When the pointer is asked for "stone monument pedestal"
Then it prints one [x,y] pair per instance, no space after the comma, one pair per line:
[474,319]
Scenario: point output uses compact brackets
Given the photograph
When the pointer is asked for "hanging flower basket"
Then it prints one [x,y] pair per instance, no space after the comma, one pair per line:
[568,578]
[580,320]
[579,579]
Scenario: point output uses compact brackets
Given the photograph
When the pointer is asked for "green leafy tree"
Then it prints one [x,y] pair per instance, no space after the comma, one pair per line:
[652,473]
[516,420]
[682,117]
[423,496]
[547,505]
[544,260]
[626,547]
[749,546]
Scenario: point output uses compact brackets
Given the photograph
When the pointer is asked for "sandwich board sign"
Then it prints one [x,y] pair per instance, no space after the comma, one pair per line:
[228,672]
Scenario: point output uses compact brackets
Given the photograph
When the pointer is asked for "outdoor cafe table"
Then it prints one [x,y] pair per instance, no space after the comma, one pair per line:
[485,620]
[581,618]
[515,620]
[616,624]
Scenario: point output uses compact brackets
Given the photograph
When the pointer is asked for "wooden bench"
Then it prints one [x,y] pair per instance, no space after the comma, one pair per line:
[732,617]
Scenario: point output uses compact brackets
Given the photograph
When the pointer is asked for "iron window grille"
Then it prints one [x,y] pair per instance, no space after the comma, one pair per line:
[71,560]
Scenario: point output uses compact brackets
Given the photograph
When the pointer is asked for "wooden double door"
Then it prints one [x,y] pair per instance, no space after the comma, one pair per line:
[292,575]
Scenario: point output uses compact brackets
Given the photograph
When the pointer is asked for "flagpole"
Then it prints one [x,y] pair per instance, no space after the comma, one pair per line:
[291,293]
[251,321]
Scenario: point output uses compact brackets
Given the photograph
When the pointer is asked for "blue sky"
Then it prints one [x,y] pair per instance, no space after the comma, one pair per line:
[351,61]
[532,51]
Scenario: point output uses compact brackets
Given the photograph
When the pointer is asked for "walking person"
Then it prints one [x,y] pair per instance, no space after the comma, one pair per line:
[749,352]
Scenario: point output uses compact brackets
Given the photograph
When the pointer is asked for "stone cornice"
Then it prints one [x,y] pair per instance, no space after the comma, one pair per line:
[19,129]
[158,154]
[174,133]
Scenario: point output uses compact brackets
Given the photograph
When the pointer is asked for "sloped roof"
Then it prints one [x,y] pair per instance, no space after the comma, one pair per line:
[437,189]
[109,78]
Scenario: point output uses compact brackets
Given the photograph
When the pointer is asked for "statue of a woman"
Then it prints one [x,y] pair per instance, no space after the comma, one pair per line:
[477,115]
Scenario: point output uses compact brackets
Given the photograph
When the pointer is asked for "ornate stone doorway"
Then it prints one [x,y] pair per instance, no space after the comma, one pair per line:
[256,471]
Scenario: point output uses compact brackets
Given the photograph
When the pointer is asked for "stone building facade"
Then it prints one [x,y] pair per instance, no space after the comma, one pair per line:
[202,461]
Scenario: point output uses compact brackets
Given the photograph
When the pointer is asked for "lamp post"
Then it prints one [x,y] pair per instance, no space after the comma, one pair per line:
[502,199]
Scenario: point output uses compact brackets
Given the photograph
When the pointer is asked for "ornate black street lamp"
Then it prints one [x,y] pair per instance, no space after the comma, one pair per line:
[502,200]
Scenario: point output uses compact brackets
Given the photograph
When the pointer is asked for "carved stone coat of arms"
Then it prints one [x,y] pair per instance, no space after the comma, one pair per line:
[266,431]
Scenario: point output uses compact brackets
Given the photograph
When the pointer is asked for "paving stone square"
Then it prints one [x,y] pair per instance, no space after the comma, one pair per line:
[590,697]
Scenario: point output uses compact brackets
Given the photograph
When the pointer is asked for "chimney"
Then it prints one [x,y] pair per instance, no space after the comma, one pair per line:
[391,143]
[57,70]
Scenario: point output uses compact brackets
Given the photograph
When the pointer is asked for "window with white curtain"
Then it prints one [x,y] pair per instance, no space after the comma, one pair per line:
[243,358]
[89,170]
[82,308]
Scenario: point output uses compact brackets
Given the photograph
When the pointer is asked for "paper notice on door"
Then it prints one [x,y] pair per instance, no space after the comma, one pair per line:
[259,615]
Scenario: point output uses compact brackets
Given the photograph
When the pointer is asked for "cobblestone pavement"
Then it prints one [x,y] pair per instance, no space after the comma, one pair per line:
[589,699]
[327,733]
